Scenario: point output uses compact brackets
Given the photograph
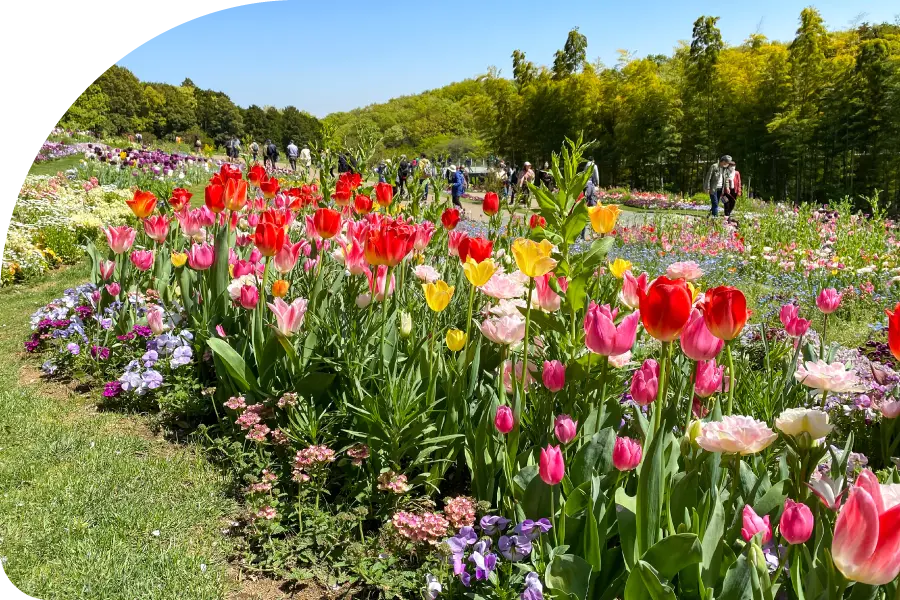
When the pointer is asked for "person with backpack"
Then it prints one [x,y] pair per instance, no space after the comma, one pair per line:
[343,165]
[254,150]
[292,153]
[402,175]
[716,182]
[236,148]
[458,187]
[229,147]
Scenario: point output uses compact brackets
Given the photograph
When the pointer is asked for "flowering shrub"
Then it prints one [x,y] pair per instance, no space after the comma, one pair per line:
[645,430]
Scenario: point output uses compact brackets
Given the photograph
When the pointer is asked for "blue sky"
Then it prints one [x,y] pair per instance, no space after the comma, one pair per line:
[331,56]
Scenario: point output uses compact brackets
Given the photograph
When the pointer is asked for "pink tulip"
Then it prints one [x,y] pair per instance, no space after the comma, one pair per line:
[355,258]
[866,543]
[626,454]
[828,300]
[563,283]
[697,342]
[423,235]
[796,523]
[453,241]
[255,256]
[157,228]
[201,257]
[113,289]
[601,334]
[753,525]
[289,317]
[377,284]
[545,298]
[503,420]
[629,296]
[709,378]
[890,409]
[142,259]
[120,239]
[554,375]
[505,330]
[565,429]
[242,267]
[249,296]
[155,319]
[107,268]
[645,383]
[286,258]
[551,468]
[192,222]
[793,324]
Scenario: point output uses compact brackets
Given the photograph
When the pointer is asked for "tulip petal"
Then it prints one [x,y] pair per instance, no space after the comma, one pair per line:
[855,533]
[884,564]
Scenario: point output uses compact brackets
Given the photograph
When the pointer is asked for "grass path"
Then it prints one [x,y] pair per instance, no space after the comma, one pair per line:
[93,505]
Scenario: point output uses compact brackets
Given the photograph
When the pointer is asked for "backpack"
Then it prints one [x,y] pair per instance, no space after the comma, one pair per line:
[271,149]
[404,169]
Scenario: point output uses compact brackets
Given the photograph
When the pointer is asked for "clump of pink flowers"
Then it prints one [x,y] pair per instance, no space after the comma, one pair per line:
[267,512]
[428,527]
[358,453]
[289,399]
[236,403]
[265,484]
[390,481]
[310,459]
[460,511]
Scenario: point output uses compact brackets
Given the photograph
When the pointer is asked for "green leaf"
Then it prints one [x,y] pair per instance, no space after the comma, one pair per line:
[650,495]
[593,457]
[575,222]
[627,526]
[569,574]
[576,293]
[234,364]
[644,584]
[536,502]
[674,553]
[737,584]
[715,529]
[523,478]
[771,501]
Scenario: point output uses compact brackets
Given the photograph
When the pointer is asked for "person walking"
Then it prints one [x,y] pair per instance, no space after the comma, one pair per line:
[229,147]
[254,150]
[733,177]
[306,159]
[458,187]
[292,153]
[198,145]
[590,199]
[271,154]
[236,148]
[424,170]
[716,182]
[525,177]
[402,175]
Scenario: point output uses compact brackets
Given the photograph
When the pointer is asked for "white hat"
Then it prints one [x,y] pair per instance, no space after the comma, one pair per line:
[526,164]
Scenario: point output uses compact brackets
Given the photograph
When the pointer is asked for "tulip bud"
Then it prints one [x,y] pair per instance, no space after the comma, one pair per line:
[694,430]
[754,524]
[554,375]
[627,454]
[796,523]
[551,467]
[828,300]
[565,429]
[456,340]
[503,420]
[405,324]
[279,288]
[645,383]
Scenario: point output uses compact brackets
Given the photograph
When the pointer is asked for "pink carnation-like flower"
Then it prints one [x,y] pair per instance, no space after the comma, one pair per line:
[236,403]
[426,273]
[736,435]
[258,433]
[428,527]
[268,513]
[505,330]
[358,453]
[687,270]
[393,482]
[503,287]
[833,377]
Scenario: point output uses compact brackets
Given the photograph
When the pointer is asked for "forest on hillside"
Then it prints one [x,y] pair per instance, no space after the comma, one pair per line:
[811,119]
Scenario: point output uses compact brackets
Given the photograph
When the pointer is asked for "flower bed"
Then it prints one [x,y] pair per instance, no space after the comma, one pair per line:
[53,150]
[498,411]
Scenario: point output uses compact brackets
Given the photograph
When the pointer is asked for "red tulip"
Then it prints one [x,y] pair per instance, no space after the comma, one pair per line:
[354,180]
[157,228]
[894,330]
[256,174]
[537,221]
[725,311]
[269,238]
[180,198]
[362,205]
[388,242]
[665,307]
[327,222]
[235,194]
[341,195]
[478,249]
[384,193]
[142,204]
[551,468]
[214,196]
[269,187]
[491,204]
[503,420]
[450,219]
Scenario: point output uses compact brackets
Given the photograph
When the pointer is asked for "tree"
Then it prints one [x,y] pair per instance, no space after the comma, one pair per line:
[573,55]
[524,71]
[89,112]
[124,94]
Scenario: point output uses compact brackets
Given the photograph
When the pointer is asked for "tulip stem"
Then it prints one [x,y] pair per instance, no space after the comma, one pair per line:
[525,342]
[469,321]
[732,380]
[662,386]
[387,283]
[553,516]
[822,340]
[690,401]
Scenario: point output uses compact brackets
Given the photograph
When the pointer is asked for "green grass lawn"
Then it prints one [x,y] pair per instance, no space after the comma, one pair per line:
[52,167]
[92,505]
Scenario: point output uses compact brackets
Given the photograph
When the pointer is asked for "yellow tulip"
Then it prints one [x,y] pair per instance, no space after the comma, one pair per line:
[695,291]
[603,218]
[279,288]
[456,340]
[179,258]
[618,267]
[479,274]
[437,295]
[533,258]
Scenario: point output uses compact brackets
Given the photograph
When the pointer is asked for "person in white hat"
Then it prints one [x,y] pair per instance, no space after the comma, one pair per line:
[525,177]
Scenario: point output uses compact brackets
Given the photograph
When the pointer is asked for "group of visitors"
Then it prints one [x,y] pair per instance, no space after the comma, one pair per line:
[723,184]
[270,153]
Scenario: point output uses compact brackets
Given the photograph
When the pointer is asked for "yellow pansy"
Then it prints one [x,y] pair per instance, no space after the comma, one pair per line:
[479,274]
[456,340]
[533,258]
[603,218]
[179,258]
[437,294]
[279,288]
[618,267]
